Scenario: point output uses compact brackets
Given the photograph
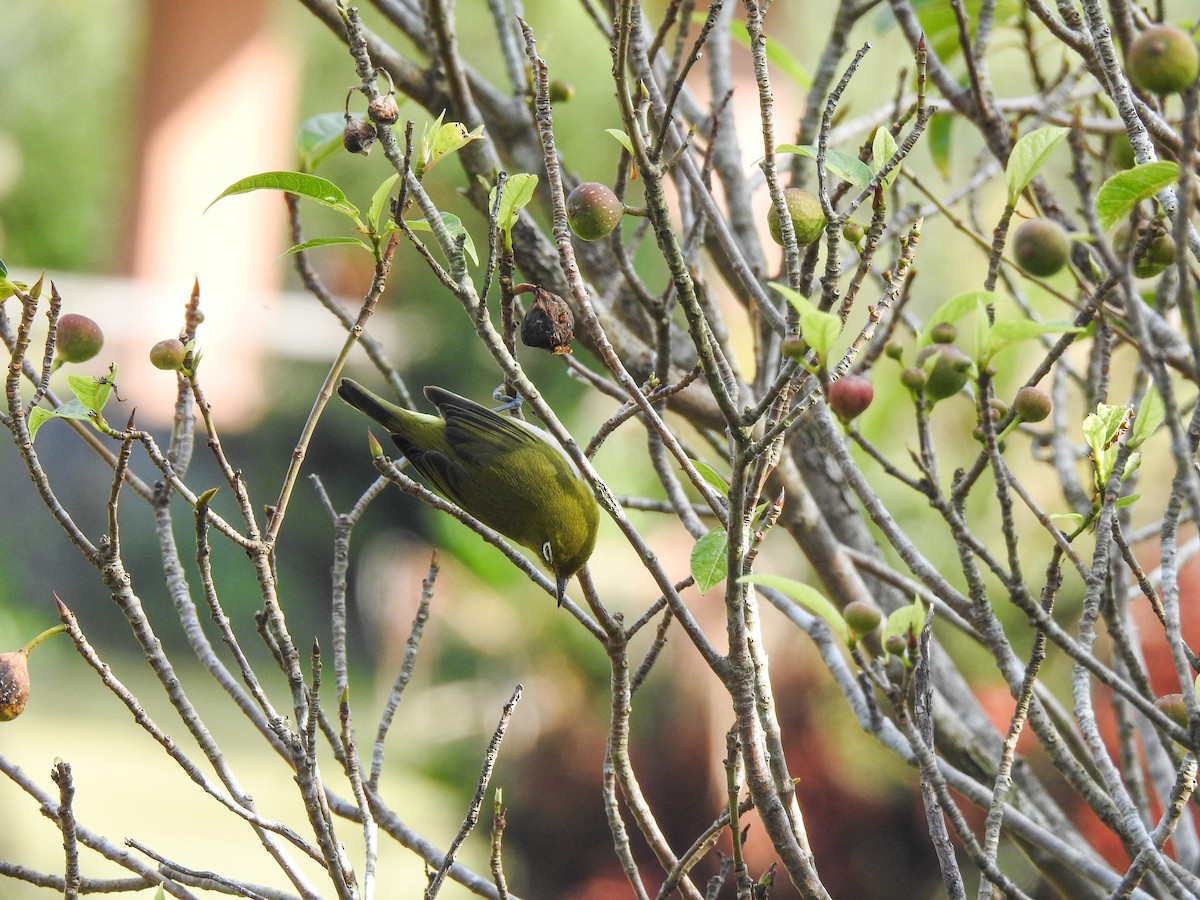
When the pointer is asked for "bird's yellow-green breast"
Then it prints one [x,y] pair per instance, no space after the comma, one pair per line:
[500,470]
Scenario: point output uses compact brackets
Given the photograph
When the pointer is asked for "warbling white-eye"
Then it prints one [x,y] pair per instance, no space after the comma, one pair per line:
[502,471]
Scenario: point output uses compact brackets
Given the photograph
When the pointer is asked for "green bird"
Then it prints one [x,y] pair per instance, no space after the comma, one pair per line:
[504,472]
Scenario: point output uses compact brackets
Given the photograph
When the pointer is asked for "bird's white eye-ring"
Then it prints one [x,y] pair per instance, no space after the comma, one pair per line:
[547,552]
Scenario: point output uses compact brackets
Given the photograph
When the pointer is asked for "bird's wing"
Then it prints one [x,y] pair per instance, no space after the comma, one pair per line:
[474,433]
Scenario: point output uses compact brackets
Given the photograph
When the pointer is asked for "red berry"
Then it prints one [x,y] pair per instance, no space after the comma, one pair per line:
[850,395]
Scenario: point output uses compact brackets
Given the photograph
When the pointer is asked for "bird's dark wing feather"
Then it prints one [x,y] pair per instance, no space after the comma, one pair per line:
[475,433]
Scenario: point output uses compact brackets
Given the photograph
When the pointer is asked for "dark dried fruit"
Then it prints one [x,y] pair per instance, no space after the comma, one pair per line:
[358,135]
[14,684]
[1041,247]
[1163,60]
[14,677]
[548,325]
[1032,404]
[808,219]
[384,110]
[79,338]
[850,395]
[593,211]
[168,355]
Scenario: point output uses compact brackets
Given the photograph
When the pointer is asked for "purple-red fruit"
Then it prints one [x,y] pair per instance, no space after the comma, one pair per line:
[168,355]
[593,210]
[79,338]
[850,395]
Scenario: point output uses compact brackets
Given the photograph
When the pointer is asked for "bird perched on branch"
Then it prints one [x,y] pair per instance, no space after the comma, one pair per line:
[506,473]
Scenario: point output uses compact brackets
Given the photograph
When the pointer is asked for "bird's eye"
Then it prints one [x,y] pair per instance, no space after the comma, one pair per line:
[547,552]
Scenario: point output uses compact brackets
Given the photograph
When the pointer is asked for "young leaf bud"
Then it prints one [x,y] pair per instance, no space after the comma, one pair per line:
[79,338]
[358,135]
[548,325]
[808,219]
[593,211]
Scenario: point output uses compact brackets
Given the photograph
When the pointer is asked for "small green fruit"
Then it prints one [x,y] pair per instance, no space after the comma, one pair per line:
[914,378]
[895,644]
[1173,707]
[853,232]
[850,395]
[1041,247]
[862,617]
[946,368]
[593,211]
[1163,60]
[1120,153]
[943,333]
[1158,257]
[1032,404]
[560,91]
[808,220]
[168,355]
[893,349]
[79,338]
[794,348]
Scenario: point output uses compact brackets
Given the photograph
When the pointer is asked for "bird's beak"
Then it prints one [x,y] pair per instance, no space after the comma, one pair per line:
[561,588]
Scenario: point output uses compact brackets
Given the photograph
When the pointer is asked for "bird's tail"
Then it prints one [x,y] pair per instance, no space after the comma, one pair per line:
[386,414]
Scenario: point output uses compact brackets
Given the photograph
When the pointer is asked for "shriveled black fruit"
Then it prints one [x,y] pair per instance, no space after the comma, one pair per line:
[850,395]
[358,135]
[593,210]
[548,325]
[79,338]
[1041,247]
[1163,60]
[808,219]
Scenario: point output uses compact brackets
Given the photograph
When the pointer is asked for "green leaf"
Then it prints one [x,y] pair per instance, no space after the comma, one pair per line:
[314,187]
[904,620]
[1101,430]
[1149,416]
[439,141]
[323,242]
[1028,155]
[712,476]
[319,138]
[379,200]
[518,191]
[1127,500]
[937,138]
[807,596]
[820,330]
[1120,194]
[455,226]
[622,138]
[956,308]
[1014,331]
[3,269]
[37,417]
[92,392]
[883,148]
[1075,518]
[801,303]
[709,559]
[841,165]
